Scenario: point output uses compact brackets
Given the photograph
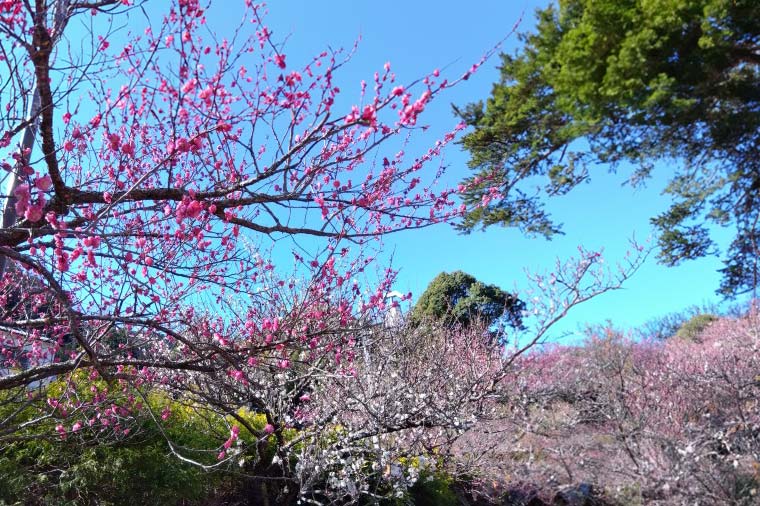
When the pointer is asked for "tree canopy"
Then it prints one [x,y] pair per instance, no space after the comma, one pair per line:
[610,81]
[458,298]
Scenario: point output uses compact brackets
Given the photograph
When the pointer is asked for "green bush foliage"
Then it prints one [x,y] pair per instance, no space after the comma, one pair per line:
[136,471]
[89,467]
[692,328]
[434,490]
[458,298]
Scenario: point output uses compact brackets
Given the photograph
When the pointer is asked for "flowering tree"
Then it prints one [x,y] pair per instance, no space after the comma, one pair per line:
[149,164]
[154,179]
[669,422]
[391,404]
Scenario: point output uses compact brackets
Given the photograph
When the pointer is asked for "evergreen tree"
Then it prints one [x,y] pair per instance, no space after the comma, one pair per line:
[638,81]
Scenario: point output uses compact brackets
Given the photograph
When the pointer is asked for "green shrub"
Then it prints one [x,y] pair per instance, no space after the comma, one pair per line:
[692,328]
[433,490]
[86,468]
[141,471]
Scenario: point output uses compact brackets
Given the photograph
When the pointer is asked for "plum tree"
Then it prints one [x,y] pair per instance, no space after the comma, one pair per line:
[150,171]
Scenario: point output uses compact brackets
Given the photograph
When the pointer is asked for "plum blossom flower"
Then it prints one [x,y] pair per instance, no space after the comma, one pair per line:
[44,183]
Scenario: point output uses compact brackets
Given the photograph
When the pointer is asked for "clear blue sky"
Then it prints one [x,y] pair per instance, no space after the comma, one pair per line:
[417,36]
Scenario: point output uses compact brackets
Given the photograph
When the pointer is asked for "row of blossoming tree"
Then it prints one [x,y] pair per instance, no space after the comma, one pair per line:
[641,421]
[149,171]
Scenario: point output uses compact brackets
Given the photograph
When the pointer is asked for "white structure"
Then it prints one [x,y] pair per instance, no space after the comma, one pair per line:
[393,316]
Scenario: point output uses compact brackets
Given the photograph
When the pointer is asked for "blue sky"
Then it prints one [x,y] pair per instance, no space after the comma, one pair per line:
[418,36]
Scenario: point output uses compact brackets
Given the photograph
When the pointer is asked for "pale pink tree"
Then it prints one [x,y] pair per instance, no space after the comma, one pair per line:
[670,422]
